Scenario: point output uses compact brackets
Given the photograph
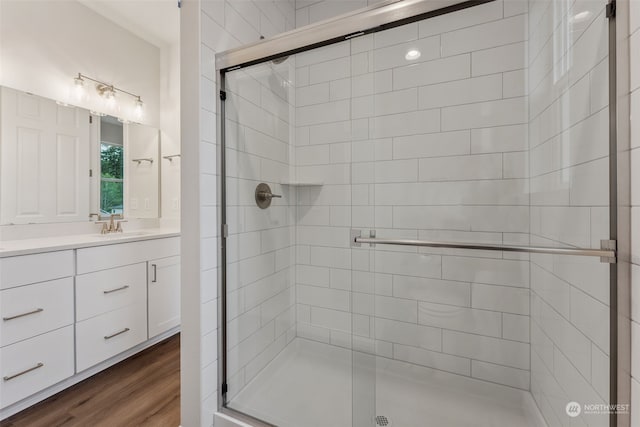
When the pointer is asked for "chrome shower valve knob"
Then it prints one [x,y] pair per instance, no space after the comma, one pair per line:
[264,196]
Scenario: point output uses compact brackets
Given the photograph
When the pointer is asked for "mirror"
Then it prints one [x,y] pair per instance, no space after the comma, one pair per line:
[60,163]
[111,167]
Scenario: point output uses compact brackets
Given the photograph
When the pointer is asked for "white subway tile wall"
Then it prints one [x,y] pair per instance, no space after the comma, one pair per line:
[568,167]
[496,133]
[434,148]
[261,312]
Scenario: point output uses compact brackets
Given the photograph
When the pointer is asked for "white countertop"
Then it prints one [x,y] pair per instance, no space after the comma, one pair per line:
[48,244]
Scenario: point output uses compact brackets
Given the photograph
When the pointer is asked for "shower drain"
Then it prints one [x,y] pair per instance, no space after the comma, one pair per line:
[383,421]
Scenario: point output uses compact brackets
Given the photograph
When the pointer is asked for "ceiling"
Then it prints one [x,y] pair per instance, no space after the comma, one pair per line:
[156,21]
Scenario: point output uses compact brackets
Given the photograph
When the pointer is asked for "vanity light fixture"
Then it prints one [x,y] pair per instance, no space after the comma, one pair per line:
[107,91]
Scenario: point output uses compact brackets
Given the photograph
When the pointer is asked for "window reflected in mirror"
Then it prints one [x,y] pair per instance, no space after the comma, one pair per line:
[111,167]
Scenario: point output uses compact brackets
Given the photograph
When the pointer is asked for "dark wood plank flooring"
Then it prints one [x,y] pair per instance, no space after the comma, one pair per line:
[143,390]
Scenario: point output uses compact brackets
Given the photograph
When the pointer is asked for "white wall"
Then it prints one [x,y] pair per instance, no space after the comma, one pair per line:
[45,44]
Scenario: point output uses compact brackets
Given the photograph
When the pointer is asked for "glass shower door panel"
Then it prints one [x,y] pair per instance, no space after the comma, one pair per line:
[261,244]
[474,137]
[290,323]
[569,184]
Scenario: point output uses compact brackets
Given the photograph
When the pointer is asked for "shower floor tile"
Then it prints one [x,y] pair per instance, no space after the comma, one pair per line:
[309,384]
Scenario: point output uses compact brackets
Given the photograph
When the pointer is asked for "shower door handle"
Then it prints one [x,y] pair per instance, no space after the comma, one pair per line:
[607,252]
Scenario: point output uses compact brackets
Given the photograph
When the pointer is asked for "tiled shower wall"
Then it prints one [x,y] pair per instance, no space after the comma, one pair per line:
[430,149]
[568,140]
[208,27]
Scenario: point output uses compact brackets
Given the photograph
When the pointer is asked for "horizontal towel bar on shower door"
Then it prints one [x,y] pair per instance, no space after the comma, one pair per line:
[607,252]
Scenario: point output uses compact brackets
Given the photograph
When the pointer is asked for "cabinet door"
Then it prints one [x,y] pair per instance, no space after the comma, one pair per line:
[164,294]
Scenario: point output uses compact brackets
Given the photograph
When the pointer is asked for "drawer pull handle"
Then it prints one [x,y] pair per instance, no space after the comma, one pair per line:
[155,273]
[108,337]
[26,371]
[17,316]
[116,289]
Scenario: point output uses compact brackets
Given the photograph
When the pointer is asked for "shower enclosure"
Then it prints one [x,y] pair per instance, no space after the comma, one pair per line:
[416,212]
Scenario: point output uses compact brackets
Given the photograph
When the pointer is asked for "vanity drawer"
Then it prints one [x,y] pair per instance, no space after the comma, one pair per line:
[32,310]
[104,336]
[26,269]
[108,290]
[51,355]
[118,255]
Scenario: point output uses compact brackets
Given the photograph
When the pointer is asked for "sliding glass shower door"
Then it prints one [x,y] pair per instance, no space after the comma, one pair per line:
[418,224]
[485,136]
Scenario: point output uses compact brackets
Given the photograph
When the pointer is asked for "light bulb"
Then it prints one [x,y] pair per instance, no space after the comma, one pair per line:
[139,108]
[78,88]
[412,55]
[110,100]
[110,94]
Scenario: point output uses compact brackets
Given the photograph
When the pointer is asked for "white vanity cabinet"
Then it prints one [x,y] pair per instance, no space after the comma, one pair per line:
[67,314]
[164,295]
[36,329]
[114,296]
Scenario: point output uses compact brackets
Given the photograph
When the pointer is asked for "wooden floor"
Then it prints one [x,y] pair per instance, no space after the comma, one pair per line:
[143,390]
